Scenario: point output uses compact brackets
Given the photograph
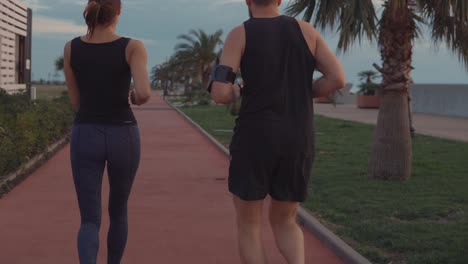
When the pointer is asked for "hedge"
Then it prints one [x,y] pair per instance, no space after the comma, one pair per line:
[27,128]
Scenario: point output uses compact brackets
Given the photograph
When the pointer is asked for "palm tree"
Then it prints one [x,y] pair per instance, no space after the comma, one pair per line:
[395,32]
[199,49]
[368,86]
[177,69]
[368,76]
[162,75]
[186,68]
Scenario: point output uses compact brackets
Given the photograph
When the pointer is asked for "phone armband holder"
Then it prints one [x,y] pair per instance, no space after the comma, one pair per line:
[222,74]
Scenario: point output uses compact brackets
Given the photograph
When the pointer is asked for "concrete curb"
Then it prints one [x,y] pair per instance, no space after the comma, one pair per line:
[332,241]
[8,182]
[347,254]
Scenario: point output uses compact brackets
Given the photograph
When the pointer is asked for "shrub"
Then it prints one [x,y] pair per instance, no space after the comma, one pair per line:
[198,97]
[204,98]
[27,128]
[368,88]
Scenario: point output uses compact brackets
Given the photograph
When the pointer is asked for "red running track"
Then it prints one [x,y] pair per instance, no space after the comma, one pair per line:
[180,209]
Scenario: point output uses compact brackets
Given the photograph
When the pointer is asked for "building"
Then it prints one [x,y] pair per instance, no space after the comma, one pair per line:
[15,45]
[440,99]
[433,99]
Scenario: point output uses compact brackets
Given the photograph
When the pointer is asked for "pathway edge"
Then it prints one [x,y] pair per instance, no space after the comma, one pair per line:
[11,180]
[306,219]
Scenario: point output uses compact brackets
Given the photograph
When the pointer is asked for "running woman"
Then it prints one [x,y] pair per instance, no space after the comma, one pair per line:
[272,149]
[98,69]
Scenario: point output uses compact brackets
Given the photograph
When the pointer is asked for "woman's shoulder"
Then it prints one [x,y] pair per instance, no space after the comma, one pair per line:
[73,41]
[135,44]
[69,43]
[76,39]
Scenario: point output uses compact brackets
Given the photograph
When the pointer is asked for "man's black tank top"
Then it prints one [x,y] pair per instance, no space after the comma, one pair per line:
[103,77]
[277,100]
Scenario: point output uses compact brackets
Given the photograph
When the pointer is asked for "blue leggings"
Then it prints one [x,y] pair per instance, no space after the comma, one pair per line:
[92,146]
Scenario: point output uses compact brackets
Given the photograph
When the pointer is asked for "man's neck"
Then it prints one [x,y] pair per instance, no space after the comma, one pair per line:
[265,12]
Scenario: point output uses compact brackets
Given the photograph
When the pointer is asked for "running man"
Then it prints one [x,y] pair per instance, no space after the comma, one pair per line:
[272,149]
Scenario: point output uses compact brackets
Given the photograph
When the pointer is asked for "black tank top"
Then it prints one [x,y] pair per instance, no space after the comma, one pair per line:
[103,77]
[277,68]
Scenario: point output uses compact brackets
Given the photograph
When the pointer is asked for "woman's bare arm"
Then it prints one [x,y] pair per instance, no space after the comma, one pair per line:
[70,79]
[137,58]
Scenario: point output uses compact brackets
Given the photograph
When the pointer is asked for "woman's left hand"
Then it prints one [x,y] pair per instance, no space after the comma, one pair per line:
[132,97]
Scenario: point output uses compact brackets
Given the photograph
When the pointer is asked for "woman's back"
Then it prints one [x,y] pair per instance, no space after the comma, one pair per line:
[99,68]
[103,77]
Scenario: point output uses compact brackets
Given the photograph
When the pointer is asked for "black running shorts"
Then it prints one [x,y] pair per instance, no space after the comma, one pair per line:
[259,168]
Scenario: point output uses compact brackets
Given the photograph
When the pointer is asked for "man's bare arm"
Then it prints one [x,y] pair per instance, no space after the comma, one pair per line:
[333,77]
[232,53]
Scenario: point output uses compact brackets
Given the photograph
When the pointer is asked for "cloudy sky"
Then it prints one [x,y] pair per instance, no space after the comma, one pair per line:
[159,22]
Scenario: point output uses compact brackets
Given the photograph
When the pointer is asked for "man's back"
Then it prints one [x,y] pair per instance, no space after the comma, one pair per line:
[277,67]
[272,149]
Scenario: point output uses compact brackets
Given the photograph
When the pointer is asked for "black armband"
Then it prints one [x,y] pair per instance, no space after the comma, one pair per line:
[222,74]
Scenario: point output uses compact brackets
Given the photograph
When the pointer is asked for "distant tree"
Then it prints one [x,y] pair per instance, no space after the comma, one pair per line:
[59,64]
[199,50]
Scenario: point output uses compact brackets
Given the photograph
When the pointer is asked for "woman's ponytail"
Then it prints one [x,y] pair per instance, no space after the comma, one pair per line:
[100,12]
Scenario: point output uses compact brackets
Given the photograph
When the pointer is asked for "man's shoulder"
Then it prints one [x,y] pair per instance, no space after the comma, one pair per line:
[305,25]
[239,29]
[237,32]
[307,29]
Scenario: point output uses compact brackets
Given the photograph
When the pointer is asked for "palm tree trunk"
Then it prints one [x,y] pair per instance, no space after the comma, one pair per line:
[187,88]
[391,154]
[202,77]
[206,72]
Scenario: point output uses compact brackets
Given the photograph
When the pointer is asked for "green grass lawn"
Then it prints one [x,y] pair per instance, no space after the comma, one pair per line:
[49,91]
[421,221]
[214,119]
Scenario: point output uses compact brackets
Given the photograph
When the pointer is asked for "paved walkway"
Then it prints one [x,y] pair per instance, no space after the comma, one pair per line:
[180,210]
[432,125]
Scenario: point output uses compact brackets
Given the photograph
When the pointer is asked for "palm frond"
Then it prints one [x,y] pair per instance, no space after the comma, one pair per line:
[183,46]
[448,21]
[187,38]
[296,7]
[195,33]
[368,75]
[418,21]
[328,13]
[356,18]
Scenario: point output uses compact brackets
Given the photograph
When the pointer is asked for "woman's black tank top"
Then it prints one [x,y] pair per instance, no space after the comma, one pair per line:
[277,68]
[103,77]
